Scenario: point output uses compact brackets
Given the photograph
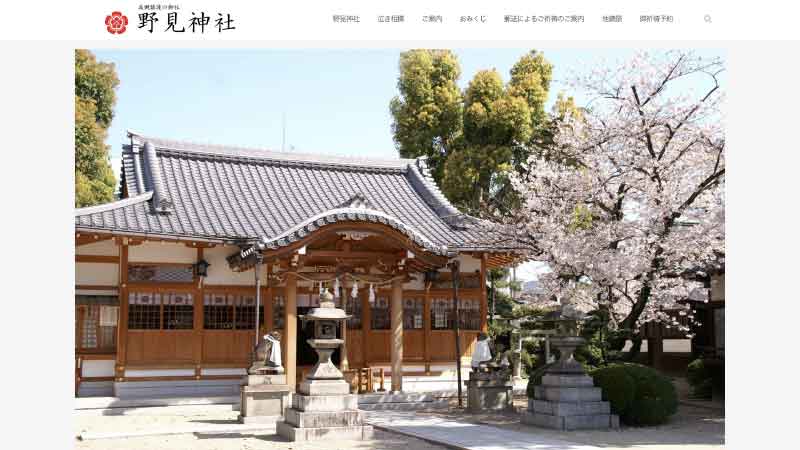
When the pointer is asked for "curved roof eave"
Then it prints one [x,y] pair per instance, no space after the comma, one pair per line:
[337,215]
[114,205]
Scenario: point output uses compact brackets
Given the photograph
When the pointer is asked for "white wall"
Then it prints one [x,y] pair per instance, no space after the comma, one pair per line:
[98,368]
[162,252]
[104,248]
[469,263]
[220,273]
[96,274]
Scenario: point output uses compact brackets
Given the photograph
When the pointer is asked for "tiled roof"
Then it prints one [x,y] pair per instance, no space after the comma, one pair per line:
[238,195]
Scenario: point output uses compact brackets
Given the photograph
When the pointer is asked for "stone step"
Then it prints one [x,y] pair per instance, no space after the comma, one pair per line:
[304,419]
[568,394]
[568,408]
[314,434]
[569,423]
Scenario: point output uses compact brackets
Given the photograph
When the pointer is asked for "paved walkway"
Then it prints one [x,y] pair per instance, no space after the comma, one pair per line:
[465,435]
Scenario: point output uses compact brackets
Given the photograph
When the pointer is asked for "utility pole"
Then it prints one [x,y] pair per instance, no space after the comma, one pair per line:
[491,280]
[455,272]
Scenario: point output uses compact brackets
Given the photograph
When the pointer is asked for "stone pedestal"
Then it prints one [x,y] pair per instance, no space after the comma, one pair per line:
[323,407]
[264,398]
[567,398]
[489,391]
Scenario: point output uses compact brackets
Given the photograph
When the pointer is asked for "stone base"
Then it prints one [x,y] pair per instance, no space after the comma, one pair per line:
[252,380]
[325,402]
[264,403]
[355,433]
[483,395]
[324,387]
[327,419]
[569,402]
[569,423]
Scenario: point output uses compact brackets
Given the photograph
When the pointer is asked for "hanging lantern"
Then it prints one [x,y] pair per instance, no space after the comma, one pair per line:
[336,288]
[354,292]
[371,295]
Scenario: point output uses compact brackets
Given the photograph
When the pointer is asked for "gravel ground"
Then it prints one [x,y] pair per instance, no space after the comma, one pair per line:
[690,428]
[381,440]
[266,440]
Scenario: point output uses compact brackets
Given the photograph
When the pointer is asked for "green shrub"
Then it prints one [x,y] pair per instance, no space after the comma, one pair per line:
[618,387]
[648,399]
[699,378]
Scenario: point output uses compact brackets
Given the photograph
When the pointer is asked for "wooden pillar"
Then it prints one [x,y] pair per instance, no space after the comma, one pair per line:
[366,326]
[290,325]
[426,324]
[484,300]
[344,363]
[397,334]
[122,325]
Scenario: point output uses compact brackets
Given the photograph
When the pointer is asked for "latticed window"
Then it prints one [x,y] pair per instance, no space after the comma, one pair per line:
[160,311]
[245,312]
[278,311]
[353,307]
[380,317]
[178,309]
[160,273]
[469,314]
[442,313]
[218,311]
[144,311]
[412,313]
[96,322]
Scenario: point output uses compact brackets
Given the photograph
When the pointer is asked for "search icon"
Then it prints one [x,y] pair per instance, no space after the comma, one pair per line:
[707,18]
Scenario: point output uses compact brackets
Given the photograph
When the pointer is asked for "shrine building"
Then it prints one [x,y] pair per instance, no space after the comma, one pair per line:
[207,244]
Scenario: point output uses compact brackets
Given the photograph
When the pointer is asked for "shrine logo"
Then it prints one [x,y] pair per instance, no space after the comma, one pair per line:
[116,23]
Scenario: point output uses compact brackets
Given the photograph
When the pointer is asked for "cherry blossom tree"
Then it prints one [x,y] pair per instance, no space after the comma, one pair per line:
[627,208]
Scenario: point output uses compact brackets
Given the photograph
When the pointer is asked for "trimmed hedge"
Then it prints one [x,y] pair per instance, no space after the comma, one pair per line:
[618,387]
[639,394]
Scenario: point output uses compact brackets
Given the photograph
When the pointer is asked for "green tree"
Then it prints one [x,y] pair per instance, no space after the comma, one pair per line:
[95,83]
[475,139]
[427,113]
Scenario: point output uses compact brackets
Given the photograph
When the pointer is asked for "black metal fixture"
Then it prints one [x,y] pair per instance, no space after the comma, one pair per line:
[201,268]
[431,276]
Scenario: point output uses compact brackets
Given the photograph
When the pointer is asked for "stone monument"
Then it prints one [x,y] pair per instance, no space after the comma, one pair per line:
[323,407]
[567,398]
[265,394]
[489,386]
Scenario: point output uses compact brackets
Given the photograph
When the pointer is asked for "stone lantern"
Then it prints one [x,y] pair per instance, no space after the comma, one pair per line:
[323,406]
[567,399]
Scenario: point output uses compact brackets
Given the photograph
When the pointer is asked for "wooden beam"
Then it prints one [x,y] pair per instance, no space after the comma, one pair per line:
[349,254]
[97,259]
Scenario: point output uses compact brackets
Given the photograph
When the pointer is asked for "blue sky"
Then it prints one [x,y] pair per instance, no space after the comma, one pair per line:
[334,101]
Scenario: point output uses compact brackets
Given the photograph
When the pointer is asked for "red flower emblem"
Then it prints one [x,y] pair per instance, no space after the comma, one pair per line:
[116,23]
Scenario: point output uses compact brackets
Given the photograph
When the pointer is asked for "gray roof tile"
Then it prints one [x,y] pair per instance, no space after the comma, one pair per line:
[234,194]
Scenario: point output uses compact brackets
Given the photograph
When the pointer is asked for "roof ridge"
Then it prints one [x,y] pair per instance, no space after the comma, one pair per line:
[114,205]
[235,151]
